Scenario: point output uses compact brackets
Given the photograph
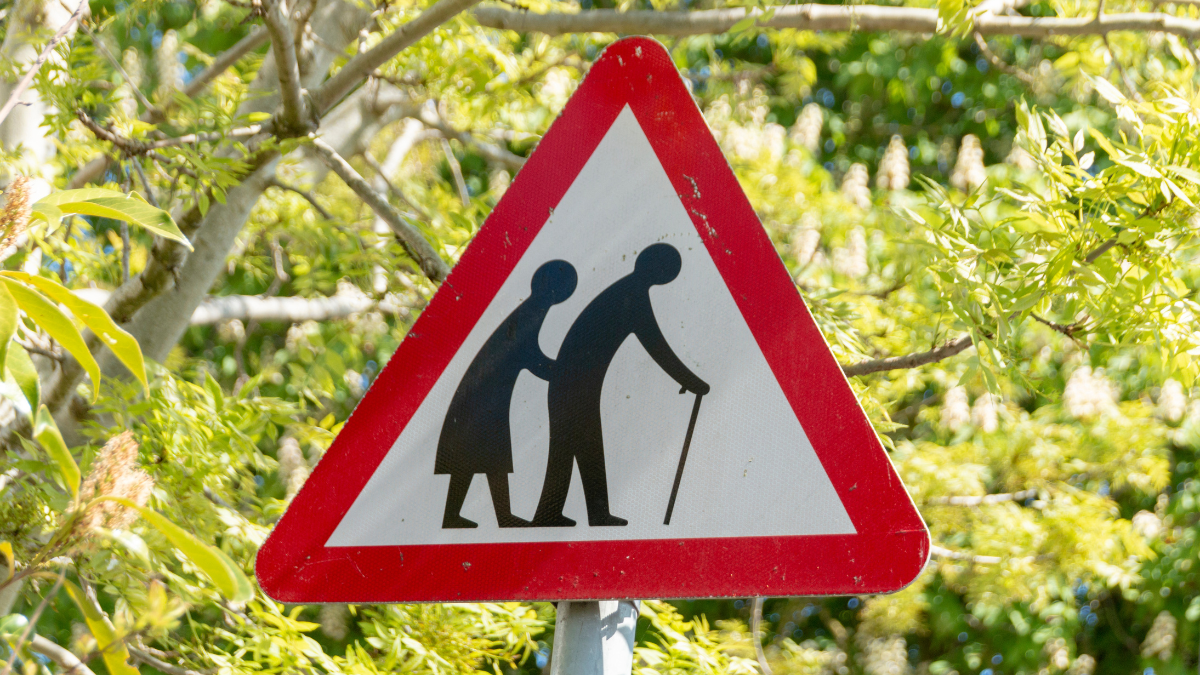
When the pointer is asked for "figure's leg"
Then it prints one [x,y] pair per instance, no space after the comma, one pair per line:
[595,482]
[554,489]
[459,484]
[498,482]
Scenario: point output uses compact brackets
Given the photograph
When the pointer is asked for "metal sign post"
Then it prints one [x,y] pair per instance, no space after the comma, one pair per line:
[594,637]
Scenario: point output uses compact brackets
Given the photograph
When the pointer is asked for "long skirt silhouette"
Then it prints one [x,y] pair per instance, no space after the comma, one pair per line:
[475,434]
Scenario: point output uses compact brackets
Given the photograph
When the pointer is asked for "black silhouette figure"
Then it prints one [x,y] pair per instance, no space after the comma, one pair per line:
[621,310]
[475,435]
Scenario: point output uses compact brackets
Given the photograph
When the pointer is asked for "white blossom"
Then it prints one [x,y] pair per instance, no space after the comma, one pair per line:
[1089,394]
[354,382]
[883,656]
[166,63]
[1147,524]
[231,331]
[1020,158]
[893,168]
[498,182]
[1160,640]
[131,63]
[1056,652]
[334,620]
[956,409]
[368,324]
[557,86]
[290,456]
[751,141]
[806,239]
[299,336]
[856,186]
[851,260]
[1082,665]
[806,133]
[1172,401]
[293,468]
[984,414]
[8,412]
[969,172]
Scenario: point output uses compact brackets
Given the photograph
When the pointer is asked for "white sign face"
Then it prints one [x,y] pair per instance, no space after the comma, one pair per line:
[750,470]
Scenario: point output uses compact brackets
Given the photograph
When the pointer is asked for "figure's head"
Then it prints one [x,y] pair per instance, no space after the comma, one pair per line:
[554,281]
[658,264]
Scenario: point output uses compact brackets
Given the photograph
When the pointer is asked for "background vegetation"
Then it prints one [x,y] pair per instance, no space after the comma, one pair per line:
[991,208]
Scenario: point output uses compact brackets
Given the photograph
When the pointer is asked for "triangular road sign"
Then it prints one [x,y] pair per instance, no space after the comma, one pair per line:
[560,369]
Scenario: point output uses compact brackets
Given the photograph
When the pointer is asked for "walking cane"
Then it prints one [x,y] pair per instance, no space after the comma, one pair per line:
[687,442]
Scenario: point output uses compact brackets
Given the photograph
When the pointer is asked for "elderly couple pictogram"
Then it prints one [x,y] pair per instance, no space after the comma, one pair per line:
[475,435]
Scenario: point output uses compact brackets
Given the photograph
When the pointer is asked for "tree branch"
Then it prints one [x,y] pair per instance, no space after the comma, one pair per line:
[27,79]
[165,261]
[22,640]
[939,552]
[858,18]
[756,635]
[999,63]
[289,310]
[362,65]
[93,170]
[70,663]
[456,172]
[134,147]
[294,119]
[308,197]
[952,348]
[257,38]
[1099,251]
[128,146]
[410,238]
[1068,330]
[246,308]
[429,116]
[158,664]
[112,61]
[386,183]
[985,499]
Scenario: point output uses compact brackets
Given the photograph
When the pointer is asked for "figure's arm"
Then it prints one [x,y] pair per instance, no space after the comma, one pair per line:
[540,365]
[655,343]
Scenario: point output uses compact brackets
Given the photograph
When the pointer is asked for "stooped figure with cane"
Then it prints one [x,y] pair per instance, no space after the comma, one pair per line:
[576,381]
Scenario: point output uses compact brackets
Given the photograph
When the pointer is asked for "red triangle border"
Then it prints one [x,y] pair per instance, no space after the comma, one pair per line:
[892,543]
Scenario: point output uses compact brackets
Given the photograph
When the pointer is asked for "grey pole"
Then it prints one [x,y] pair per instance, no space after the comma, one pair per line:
[594,638]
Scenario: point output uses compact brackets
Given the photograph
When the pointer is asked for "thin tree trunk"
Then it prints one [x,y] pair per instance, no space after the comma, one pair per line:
[23,126]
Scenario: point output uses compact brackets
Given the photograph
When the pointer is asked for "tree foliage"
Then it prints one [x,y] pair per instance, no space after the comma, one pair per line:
[995,232]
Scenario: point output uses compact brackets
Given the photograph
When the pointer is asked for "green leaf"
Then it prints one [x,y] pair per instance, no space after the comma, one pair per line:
[51,319]
[1186,173]
[12,625]
[112,649]
[24,373]
[131,542]
[118,206]
[743,25]
[8,321]
[10,561]
[47,212]
[123,345]
[214,390]
[1140,167]
[1108,91]
[226,575]
[46,432]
